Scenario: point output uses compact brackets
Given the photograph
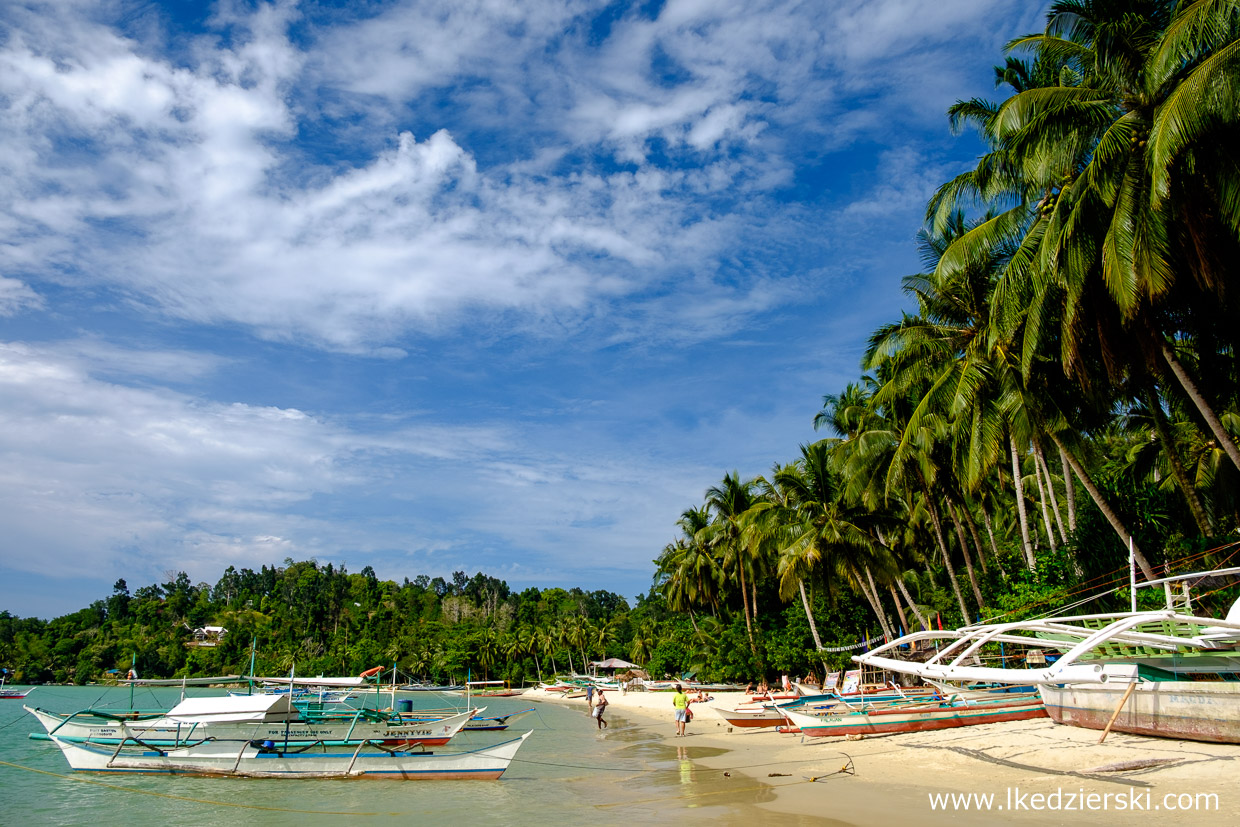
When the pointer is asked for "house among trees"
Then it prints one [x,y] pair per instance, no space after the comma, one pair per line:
[207,636]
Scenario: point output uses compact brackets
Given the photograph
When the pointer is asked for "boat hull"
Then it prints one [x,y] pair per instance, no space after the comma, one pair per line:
[915,718]
[225,758]
[1192,710]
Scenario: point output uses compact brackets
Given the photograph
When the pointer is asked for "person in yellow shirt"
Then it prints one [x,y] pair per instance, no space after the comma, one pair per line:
[680,702]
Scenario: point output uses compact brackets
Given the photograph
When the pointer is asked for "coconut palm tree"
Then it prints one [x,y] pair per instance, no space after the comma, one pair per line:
[728,503]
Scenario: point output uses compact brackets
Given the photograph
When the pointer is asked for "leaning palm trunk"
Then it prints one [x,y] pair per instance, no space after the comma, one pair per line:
[977,540]
[1040,455]
[964,549]
[1177,466]
[921,618]
[895,598]
[1207,413]
[990,532]
[809,615]
[1105,508]
[1068,493]
[947,558]
[877,607]
[1030,560]
[1046,514]
[869,575]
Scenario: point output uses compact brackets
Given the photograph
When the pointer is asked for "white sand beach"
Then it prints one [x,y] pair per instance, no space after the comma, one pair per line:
[1080,781]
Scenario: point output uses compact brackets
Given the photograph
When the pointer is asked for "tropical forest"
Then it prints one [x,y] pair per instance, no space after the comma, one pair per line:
[1057,396]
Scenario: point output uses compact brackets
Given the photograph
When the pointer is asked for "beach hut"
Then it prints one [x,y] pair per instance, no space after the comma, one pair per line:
[610,665]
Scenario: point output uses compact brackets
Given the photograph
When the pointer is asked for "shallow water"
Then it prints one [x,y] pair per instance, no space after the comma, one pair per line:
[566,770]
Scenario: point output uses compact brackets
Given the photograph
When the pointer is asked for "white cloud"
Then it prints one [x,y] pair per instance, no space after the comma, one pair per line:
[109,480]
[186,185]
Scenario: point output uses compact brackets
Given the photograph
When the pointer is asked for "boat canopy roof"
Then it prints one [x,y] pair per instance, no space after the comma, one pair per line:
[337,682]
[233,708]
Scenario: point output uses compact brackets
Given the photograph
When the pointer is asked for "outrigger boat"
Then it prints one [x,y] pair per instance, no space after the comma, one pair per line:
[478,723]
[917,716]
[249,717]
[266,759]
[1168,673]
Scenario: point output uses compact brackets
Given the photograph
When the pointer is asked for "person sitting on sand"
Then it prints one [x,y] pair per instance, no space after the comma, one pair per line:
[600,706]
[680,702]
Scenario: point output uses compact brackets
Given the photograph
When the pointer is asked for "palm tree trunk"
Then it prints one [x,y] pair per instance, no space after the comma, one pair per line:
[1068,493]
[895,598]
[740,569]
[1050,486]
[753,589]
[1106,510]
[693,620]
[874,590]
[1177,466]
[1030,560]
[977,540]
[875,605]
[1190,387]
[921,618]
[809,615]
[990,532]
[1046,514]
[947,559]
[964,548]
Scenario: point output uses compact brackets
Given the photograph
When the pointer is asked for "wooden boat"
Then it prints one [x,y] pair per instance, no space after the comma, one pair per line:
[1167,673]
[492,689]
[250,717]
[917,716]
[767,710]
[1194,710]
[9,693]
[478,723]
[265,760]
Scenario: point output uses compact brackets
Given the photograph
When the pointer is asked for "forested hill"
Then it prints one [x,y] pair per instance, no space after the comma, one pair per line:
[325,620]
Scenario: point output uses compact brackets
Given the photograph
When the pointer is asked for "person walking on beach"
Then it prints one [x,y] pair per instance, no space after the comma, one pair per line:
[680,702]
[600,706]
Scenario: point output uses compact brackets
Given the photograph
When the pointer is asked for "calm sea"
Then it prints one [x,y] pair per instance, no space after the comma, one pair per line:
[566,772]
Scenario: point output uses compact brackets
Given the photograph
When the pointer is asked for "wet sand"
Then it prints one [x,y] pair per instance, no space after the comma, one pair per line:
[867,781]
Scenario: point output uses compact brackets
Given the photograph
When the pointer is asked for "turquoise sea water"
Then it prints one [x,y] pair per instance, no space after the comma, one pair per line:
[566,772]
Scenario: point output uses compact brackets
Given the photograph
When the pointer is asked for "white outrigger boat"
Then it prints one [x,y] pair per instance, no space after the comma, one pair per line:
[265,717]
[1167,673]
[268,760]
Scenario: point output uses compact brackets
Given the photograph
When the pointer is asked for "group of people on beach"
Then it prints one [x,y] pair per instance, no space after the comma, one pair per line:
[597,702]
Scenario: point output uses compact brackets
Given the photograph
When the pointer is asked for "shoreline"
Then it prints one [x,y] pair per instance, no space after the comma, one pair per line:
[898,773]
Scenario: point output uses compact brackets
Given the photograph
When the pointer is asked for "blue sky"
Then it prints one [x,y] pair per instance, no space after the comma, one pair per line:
[438,286]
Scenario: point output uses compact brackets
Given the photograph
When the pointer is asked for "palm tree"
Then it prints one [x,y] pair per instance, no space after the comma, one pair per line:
[822,528]
[728,502]
[1135,197]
